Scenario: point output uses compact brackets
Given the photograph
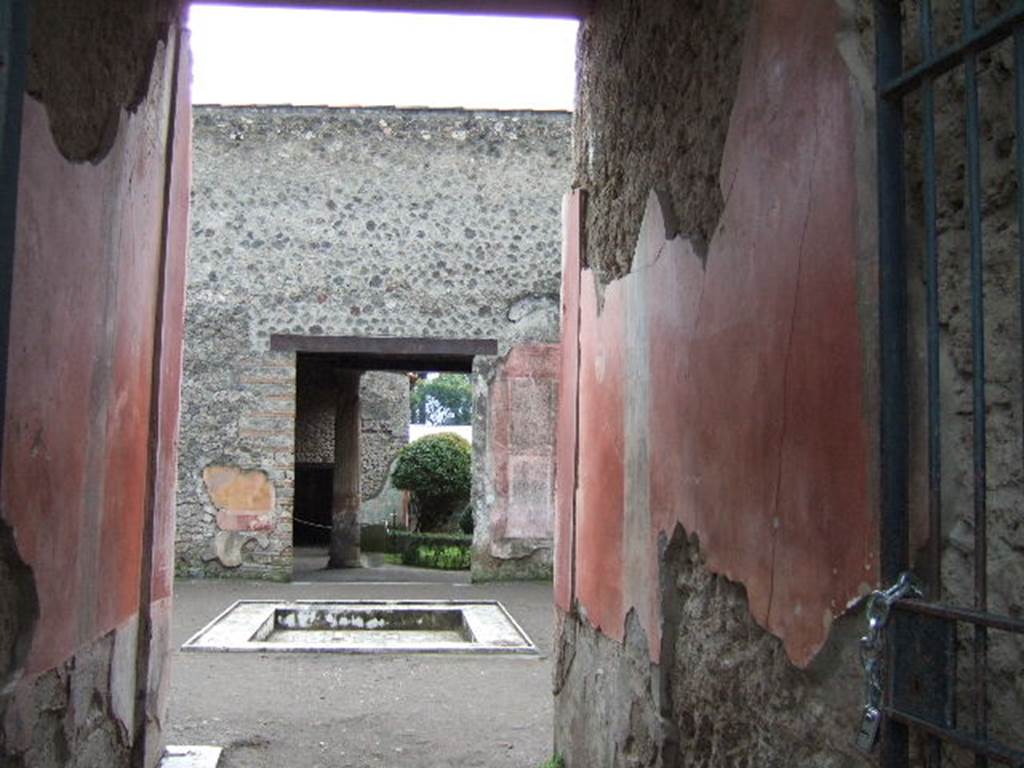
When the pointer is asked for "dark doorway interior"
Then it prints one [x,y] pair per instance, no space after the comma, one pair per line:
[327,450]
[312,517]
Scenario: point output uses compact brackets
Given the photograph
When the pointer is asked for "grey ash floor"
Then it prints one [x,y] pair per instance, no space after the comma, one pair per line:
[340,711]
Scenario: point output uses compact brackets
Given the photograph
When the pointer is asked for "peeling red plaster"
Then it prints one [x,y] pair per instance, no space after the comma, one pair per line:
[758,435]
[76,439]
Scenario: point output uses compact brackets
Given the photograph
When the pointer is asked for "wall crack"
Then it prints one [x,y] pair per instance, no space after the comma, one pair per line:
[776,522]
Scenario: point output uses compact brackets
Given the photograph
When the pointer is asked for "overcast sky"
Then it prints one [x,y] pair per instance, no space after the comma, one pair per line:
[344,58]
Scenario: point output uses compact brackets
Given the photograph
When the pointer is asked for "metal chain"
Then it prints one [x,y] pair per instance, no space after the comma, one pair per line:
[872,646]
[310,523]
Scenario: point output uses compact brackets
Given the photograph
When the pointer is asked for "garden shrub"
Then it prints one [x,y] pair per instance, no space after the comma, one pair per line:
[405,543]
[444,558]
[436,470]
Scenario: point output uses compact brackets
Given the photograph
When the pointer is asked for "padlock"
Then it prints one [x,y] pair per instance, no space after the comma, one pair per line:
[867,734]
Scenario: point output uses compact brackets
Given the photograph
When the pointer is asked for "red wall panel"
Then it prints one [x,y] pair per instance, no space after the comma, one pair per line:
[86,285]
[728,391]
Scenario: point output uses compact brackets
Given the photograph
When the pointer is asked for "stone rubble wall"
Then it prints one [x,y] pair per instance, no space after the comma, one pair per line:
[347,222]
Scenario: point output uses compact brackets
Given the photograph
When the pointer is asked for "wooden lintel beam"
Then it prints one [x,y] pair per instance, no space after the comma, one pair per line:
[394,348]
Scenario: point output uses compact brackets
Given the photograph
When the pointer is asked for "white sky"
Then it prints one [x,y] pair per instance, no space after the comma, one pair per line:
[346,58]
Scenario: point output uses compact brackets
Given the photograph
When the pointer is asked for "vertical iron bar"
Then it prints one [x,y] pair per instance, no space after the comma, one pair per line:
[1018,75]
[14,25]
[934,575]
[978,344]
[893,545]
[932,315]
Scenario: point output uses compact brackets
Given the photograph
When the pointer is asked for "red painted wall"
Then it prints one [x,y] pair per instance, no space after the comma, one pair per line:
[87,285]
[730,397]
[168,393]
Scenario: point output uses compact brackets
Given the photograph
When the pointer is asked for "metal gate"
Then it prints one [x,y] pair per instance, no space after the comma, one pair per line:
[925,691]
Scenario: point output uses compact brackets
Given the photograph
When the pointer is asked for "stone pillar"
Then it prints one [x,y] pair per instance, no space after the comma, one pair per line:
[344,550]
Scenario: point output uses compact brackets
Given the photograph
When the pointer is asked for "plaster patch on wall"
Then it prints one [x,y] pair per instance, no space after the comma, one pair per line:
[237,490]
[523,308]
[227,547]
[245,500]
[756,352]
[513,452]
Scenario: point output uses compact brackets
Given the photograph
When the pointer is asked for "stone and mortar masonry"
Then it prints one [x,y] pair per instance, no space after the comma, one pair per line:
[384,411]
[723,694]
[346,222]
[79,714]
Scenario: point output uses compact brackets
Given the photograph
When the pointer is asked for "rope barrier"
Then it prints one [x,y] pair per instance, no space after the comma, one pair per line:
[310,523]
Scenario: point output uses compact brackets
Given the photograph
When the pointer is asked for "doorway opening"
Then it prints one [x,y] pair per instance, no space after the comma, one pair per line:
[352,418]
[350,247]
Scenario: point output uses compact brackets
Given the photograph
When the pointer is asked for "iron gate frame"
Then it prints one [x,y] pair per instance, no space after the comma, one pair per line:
[894,84]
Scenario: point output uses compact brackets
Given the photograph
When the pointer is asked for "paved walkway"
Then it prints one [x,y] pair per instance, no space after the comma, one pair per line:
[340,711]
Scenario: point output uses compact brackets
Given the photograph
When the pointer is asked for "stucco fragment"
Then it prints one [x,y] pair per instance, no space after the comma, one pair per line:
[236,490]
[227,547]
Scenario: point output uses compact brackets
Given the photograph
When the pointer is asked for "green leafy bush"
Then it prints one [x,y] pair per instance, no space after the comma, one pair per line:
[444,558]
[406,543]
[436,469]
[444,401]
[450,551]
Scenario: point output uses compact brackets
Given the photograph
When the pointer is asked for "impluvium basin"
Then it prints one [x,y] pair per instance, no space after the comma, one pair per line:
[364,626]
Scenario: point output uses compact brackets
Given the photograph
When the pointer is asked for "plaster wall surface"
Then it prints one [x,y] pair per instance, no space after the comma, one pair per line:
[347,222]
[92,389]
[725,387]
[708,592]
[514,459]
